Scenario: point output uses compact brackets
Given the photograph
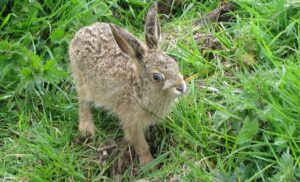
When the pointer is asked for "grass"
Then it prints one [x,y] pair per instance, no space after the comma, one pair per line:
[239,122]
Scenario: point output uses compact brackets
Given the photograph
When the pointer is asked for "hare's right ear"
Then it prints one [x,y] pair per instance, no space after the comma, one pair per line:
[152,28]
[127,42]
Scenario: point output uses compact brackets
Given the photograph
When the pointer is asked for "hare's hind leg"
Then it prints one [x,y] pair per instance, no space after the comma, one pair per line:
[86,124]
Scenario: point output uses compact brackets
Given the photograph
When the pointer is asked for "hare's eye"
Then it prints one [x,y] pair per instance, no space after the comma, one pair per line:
[158,77]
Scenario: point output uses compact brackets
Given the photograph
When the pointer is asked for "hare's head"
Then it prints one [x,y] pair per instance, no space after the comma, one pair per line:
[158,71]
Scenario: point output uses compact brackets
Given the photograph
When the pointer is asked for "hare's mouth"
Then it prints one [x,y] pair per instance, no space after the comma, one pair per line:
[175,89]
[178,91]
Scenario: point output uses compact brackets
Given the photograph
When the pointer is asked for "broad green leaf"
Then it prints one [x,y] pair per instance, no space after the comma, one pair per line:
[57,35]
[248,131]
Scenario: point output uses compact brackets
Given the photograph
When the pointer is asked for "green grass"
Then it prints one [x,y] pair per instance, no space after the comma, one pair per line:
[239,122]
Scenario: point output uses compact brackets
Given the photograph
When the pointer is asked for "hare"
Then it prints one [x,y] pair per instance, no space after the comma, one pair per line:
[115,71]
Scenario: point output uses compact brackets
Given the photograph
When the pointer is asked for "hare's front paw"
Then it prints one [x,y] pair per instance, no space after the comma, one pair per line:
[145,159]
[87,128]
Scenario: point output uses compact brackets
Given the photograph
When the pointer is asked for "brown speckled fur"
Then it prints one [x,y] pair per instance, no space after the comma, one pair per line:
[115,70]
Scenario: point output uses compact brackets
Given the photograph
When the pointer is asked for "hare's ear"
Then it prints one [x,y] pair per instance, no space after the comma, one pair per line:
[127,42]
[152,28]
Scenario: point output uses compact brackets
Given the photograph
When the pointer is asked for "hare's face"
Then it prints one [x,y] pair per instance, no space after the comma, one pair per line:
[159,72]
[163,74]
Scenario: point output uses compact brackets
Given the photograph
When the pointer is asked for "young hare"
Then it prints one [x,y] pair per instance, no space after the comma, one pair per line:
[116,71]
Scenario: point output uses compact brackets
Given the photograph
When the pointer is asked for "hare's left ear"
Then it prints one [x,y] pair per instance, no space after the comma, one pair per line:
[152,28]
[129,44]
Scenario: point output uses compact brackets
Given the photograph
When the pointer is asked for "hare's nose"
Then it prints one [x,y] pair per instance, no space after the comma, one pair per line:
[181,88]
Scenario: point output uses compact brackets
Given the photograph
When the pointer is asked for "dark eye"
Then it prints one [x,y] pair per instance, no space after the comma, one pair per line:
[158,77]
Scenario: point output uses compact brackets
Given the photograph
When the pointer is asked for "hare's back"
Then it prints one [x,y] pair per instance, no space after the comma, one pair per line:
[94,53]
[94,42]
